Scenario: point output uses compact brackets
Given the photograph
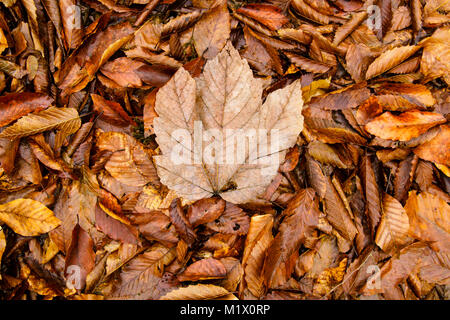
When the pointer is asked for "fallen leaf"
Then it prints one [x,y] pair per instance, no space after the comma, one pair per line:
[301,218]
[389,59]
[404,127]
[80,258]
[28,217]
[64,119]
[212,31]
[15,105]
[195,181]
[268,15]
[197,292]
[392,232]
[204,269]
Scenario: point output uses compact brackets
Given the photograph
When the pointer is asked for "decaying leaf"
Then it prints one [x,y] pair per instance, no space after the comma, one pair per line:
[408,125]
[28,217]
[221,108]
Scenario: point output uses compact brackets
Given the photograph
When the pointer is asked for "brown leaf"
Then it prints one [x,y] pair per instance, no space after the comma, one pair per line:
[205,210]
[114,228]
[233,221]
[80,68]
[407,125]
[372,193]
[155,225]
[309,12]
[142,277]
[428,216]
[257,242]
[212,31]
[198,292]
[181,223]
[64,119]
[435,62]
[301,218]
[343,31]
[408,96]
[80,258]
[15,105]
[347,98]
[111,111]
[200,176]
[307,64]
[129,162]
[204,269]
[268,15]
[392,233]
[431,150]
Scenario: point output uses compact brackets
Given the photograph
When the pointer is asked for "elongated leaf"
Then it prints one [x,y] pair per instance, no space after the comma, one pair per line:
[222,107]
[197,292]
[408,125]
[64,119]
[28,217]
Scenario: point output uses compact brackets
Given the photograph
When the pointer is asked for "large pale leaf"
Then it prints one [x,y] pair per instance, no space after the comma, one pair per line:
[66,120]
[28,217]
[228,97]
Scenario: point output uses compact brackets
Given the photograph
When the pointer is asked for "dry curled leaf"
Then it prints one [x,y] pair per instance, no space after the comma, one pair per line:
[301,218]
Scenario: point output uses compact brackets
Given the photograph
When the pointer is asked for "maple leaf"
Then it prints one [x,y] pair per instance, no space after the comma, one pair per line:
[225,96]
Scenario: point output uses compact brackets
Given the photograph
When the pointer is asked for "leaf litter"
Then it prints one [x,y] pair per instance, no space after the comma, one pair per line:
[224,150]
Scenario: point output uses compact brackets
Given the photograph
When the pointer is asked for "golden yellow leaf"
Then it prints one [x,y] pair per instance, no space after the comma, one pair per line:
[329,278]
[28,217]
[64,119]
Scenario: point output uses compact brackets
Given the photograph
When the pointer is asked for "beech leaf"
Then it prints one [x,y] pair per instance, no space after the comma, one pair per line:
[28,217]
